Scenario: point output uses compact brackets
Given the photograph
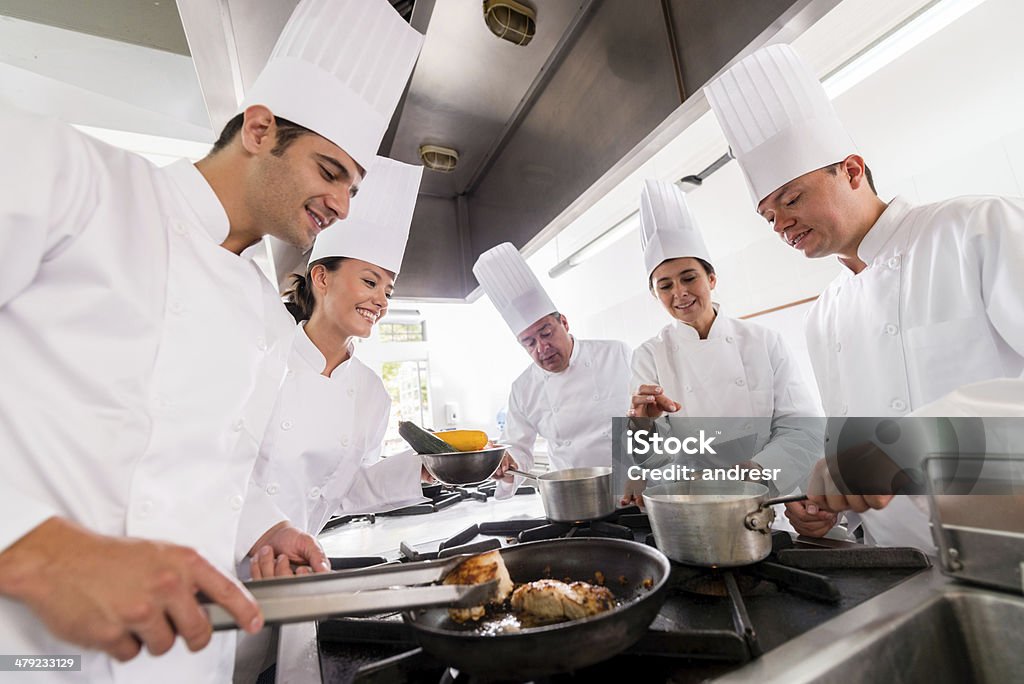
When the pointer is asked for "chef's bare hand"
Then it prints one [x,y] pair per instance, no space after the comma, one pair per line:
[649,401]
[425,475]
[502,472]
[634,494]
[809,520]
[823,492]
[119,594]
[284,546]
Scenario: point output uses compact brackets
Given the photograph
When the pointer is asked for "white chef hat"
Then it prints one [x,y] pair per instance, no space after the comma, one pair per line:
[777,119]
[338,69]
[512,287]
[667,228]
[377,226]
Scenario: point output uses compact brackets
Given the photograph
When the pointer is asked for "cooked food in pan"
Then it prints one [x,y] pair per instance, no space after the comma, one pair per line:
[477,570]
[548,600]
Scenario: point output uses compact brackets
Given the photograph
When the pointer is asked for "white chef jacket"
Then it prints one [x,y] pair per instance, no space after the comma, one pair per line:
[572,410]
[321,452]
[133,345]
[939,306]
[741,370]
[321,455]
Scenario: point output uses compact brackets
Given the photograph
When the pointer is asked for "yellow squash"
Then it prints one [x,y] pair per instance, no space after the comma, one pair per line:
[464,440]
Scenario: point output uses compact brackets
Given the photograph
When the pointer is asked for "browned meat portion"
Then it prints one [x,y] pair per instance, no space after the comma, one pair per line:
[477,570]
[550,600]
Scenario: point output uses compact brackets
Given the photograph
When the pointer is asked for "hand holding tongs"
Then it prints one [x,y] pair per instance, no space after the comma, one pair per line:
[357,592]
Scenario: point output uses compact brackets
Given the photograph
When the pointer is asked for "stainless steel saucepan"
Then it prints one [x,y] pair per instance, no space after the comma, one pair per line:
[575,494]
[714,524]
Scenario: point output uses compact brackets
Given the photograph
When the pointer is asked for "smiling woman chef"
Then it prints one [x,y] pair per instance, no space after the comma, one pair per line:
[332,411]
[705,364]
[322,447]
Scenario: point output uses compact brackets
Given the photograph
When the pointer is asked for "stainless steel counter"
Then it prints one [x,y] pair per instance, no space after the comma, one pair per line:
[929,628]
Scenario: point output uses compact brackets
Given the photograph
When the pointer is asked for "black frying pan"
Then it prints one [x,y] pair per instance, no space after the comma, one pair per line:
[541,651]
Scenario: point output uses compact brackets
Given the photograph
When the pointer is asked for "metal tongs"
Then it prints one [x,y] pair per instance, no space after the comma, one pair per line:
[364,591]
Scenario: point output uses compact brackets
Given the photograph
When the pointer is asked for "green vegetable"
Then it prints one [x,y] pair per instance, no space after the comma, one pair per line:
[422,441]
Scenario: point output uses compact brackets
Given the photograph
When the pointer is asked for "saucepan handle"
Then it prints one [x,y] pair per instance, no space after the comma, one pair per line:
[785,499]
[528,476]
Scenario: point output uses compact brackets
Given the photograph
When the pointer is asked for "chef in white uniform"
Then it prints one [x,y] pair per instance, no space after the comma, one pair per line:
[706,364]
[321,452]
[142,357]
[574,387]
[930,298]
[330,418]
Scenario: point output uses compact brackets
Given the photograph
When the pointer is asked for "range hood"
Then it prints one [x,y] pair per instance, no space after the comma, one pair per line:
[535,126]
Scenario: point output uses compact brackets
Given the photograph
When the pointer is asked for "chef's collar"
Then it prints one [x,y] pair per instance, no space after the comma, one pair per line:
[882,231]
[716,330]
[311,354]
[572,357]
[209,212]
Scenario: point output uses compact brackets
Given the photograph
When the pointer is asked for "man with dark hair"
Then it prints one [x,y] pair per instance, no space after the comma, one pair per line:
[573,388]
[143,354]
[930,299]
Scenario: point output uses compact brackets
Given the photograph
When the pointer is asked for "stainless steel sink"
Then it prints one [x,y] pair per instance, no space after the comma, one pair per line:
[956,637]
[928,629]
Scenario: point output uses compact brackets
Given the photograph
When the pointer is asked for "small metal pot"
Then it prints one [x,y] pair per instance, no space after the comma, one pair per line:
[575,494]
[713,524]
[463,467]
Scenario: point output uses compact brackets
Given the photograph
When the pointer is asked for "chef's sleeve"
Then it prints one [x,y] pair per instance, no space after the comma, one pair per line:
[643,373]
[44,203]
[382,484]
[48,187]
[994,248]
[520,437]
[259,514]
[797,430]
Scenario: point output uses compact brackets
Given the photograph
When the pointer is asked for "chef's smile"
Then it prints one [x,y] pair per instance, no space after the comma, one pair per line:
[317,222]
[368,314]
[794,239]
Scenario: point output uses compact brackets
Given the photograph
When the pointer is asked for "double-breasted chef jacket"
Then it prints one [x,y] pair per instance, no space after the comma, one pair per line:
[741,370]
[572,410]
[141,361]
[939,306]
[321,453]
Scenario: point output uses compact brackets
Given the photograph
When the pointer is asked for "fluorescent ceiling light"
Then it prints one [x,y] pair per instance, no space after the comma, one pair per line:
[915,30]
[626,225]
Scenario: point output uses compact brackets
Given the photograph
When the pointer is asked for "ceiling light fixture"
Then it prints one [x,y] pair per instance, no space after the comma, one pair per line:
[913,31]
[438,158]
[598,244]
[510,20]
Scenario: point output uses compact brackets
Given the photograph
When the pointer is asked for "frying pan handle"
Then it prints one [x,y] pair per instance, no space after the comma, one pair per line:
[528,476]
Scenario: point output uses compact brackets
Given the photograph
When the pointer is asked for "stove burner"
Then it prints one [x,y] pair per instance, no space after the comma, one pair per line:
[714,584]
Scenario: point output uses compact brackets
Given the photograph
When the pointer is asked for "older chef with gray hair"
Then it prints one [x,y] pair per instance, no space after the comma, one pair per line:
[930,298]
[143,353]
[574,387]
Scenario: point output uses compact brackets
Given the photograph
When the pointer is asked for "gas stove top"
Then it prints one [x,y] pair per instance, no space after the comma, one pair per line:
[712,623]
